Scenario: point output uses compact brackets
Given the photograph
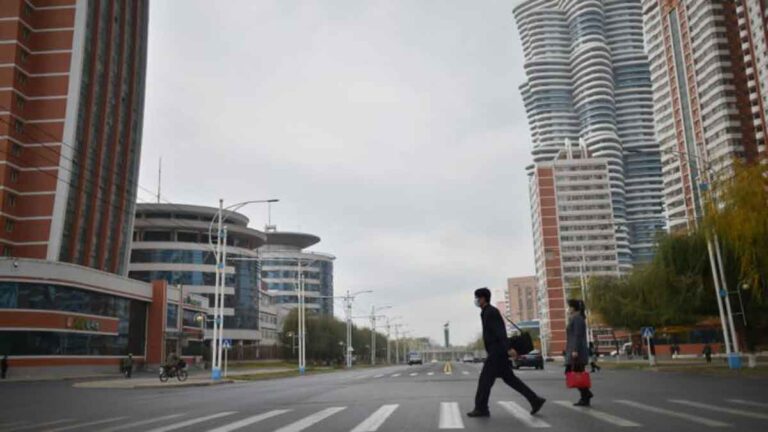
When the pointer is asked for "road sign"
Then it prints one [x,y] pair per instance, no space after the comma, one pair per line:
[227,343]
[647,332]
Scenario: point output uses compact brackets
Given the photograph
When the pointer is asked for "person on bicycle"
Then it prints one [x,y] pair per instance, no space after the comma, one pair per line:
[172,363]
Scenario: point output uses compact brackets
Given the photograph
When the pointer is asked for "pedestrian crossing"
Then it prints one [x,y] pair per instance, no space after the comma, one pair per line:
[447,415]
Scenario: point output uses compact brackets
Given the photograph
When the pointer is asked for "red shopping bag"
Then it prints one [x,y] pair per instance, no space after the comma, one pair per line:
[578,380]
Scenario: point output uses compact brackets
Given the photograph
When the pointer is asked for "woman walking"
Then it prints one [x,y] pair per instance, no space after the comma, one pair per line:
[576,346]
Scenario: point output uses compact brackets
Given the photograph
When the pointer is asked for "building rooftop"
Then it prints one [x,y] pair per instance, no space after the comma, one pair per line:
[292,239]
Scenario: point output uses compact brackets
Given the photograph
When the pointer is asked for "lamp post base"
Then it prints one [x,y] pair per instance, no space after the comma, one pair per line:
[734,361]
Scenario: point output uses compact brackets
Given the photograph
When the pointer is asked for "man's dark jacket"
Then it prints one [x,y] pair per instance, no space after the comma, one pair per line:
[494,332]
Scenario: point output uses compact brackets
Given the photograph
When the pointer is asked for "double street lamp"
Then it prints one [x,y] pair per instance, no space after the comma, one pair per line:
[220,253]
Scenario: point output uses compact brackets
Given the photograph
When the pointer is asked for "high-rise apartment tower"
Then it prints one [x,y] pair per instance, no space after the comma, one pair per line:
[71,106]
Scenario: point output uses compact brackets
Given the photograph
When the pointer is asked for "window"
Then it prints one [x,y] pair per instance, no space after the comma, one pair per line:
[27,9]
[11,200]
[25,33]
[7,252]
[21,77]
[24,56]
[15,149]
[18,126]
[9,225]
[20,102]
[14,175]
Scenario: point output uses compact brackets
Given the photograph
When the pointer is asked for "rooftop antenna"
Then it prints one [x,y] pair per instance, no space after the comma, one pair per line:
[159,178]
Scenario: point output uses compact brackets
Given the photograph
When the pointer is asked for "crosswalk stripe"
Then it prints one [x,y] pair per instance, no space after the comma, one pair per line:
[248,421]
[430,373]
[379,376]
[362,376]
[464,373]
[694,418]
[721,409]
[450,417]
[395,375]
[141,423]
[39,425]
[310,420]
[414,374]
[193,421]
[748,403]
[372,423]
[524,416]
[82,425]
[600,415]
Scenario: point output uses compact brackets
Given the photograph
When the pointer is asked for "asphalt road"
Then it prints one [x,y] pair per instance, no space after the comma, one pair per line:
[399,398]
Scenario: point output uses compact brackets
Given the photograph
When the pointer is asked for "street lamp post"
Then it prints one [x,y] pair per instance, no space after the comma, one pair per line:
[220,254]
[389,325]
[348,299]
[374,310]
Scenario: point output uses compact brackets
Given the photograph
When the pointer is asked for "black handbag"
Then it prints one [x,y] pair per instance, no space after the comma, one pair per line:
[522,343]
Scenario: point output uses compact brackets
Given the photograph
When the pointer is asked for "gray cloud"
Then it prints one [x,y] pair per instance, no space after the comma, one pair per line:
[394,130]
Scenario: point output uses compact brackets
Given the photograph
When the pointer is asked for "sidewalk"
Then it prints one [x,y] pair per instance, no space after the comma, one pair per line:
[196,379]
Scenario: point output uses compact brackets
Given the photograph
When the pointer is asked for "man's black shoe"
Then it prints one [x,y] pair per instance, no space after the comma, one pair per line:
[537,404]
[582,403]
[476,413]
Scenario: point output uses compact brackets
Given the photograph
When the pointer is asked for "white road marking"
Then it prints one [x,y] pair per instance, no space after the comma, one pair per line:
[362,376]
[689,417]
[248,421]
[721,409]
[395,375]
[748,403]
[450,417]
[372,423]
[464,373]
[141,423]
[50,423]
[524,416]
[414,374]
[430,373]
[379,376]
[310,420]
[81,425]
[600,415]
[190,422]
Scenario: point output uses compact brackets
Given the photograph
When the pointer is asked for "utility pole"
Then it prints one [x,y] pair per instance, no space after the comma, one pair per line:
[373,331]
[348,299]
[180,319]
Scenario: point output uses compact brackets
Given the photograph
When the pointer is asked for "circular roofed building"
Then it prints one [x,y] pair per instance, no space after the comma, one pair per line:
[282,256]
[170,242]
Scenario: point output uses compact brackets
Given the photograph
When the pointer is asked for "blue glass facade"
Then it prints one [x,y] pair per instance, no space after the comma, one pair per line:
[131,315]
[318,279]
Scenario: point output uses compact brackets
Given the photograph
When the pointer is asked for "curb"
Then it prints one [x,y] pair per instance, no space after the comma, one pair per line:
[157,386]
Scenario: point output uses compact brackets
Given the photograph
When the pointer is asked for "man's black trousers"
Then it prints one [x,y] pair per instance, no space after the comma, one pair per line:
[498,366]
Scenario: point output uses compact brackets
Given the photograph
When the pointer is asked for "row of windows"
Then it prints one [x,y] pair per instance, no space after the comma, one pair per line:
[172,316]
[17,343]
[15,295]
[182,277]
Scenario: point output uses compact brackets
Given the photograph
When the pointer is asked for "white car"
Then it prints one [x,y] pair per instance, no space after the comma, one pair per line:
[468,358]
[415,358]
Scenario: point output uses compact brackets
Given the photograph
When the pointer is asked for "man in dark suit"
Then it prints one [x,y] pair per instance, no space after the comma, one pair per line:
[497,363]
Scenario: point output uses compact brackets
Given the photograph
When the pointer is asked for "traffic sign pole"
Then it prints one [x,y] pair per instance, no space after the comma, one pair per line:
[647,333]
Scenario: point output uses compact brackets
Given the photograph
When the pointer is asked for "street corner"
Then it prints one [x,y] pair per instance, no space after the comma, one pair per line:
[148,384]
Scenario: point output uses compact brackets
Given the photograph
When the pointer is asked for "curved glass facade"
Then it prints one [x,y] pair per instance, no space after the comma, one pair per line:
[131,315]
[245,280]
[281,276]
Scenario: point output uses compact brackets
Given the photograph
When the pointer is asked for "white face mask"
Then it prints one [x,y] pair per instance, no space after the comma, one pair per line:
[477,302]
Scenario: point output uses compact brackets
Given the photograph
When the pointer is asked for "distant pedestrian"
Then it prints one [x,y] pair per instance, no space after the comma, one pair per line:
[708,352]
[128,366]
[4,366]
[497,363]
[593,356]
[576,346]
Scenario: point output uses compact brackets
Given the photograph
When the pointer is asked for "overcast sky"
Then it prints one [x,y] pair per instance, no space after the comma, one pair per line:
[393,130]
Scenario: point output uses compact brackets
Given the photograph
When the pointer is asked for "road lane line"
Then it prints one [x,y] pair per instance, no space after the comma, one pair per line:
[413,374]
[721,409]
[249,421]
[395,375]
[689,417]
[310,420]
[190,422]
[748,403]
[50,423]
[82,425]
[141,423]
[524,416]
[600,415]
[450,417]
[430,373]
[379,376]
[372,423]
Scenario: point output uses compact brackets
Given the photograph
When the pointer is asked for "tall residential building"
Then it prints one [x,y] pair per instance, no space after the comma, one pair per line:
[708,64]
[573,234]
[588,81]
[170,242]
[522,298]
[72,75]
[282,256]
